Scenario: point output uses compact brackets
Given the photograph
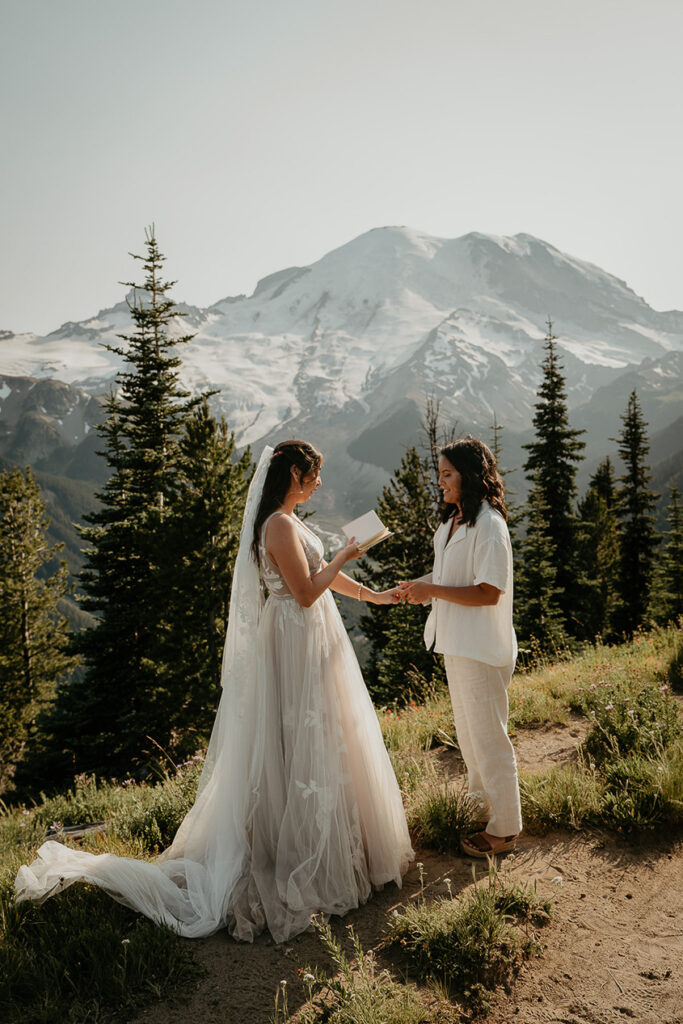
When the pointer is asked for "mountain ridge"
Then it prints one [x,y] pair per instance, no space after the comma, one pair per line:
[380,322]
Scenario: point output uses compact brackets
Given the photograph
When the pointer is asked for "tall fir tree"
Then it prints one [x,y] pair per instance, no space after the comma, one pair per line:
[515,512]
[33,632]
[396,635]
[551,468]
[666,600]
[539,617]
[636,504]
[111,717]
[598,555]
[204,537]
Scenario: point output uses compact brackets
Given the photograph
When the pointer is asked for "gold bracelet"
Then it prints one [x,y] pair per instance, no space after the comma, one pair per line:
[360,588]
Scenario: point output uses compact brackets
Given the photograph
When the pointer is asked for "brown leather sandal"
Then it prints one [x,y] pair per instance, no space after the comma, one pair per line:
[477,845]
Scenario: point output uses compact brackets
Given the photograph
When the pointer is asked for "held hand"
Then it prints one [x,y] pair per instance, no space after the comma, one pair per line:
[351,551]
[391,596]
[415,593]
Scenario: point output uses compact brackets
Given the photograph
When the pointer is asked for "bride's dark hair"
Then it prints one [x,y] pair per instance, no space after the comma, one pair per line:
[481,480]
[279,479]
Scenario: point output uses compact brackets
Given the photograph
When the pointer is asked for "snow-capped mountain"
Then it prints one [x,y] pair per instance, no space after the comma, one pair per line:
[350,346]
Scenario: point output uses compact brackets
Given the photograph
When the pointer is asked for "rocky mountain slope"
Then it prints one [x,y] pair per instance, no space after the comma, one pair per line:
[345,351]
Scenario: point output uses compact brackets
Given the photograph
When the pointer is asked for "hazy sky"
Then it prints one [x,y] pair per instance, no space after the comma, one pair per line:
[261,134]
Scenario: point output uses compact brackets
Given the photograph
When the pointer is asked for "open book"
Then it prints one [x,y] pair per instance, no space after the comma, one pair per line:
[367,529]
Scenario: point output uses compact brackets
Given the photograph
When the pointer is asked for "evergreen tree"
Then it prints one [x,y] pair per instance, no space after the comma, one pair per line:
[539,617]
[396,635]
[204,537]
[124,702]
[515,512]
[551,468]
[33,633]
[666,604]
[635,505]
[598,554]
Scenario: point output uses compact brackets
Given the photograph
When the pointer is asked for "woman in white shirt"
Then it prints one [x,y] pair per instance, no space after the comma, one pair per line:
[470,623]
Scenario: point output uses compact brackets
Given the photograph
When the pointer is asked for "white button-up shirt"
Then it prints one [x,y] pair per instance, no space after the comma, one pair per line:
[475,554]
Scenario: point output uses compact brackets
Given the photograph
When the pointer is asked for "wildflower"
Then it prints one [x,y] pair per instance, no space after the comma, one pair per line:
[396,913]
[557,881]
[609,707]
[125,942]
[446,881]
[592,687]
[283,983]
[308,978]
[663,689]
[419,864]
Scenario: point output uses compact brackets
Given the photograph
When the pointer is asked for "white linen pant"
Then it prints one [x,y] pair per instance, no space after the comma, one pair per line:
[480,708]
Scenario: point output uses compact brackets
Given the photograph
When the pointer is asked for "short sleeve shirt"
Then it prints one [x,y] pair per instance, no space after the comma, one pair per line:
[474,554]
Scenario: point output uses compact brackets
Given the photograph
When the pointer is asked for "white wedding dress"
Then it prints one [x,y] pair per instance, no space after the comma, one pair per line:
[298,810]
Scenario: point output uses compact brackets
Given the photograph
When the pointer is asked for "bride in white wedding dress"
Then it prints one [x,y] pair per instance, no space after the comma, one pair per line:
[297,811]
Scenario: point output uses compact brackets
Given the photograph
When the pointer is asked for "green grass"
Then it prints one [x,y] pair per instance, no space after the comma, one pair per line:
[545,695]
[629,776]
[357,992]
[472,944]
[82,957]
[419,727]
[441,814]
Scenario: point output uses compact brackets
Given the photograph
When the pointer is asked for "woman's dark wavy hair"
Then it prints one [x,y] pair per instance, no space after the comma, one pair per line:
[481,480]
[279,478]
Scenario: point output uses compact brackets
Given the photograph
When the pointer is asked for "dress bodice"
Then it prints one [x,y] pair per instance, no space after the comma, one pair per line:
[270,574]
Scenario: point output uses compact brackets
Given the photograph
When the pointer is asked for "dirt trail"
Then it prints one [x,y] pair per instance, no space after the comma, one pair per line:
[614,951]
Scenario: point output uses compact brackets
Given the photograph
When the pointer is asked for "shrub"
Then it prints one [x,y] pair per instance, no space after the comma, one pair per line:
[634,722]
[565,797]
[358,993]
[627,793]
[88,800]
[470,943]
[441,815]
[153,814]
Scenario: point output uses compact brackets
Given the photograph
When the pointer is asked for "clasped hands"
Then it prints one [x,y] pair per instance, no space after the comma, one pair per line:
[410,592]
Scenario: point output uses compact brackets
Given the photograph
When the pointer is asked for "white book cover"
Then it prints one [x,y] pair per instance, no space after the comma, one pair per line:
[368,530]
